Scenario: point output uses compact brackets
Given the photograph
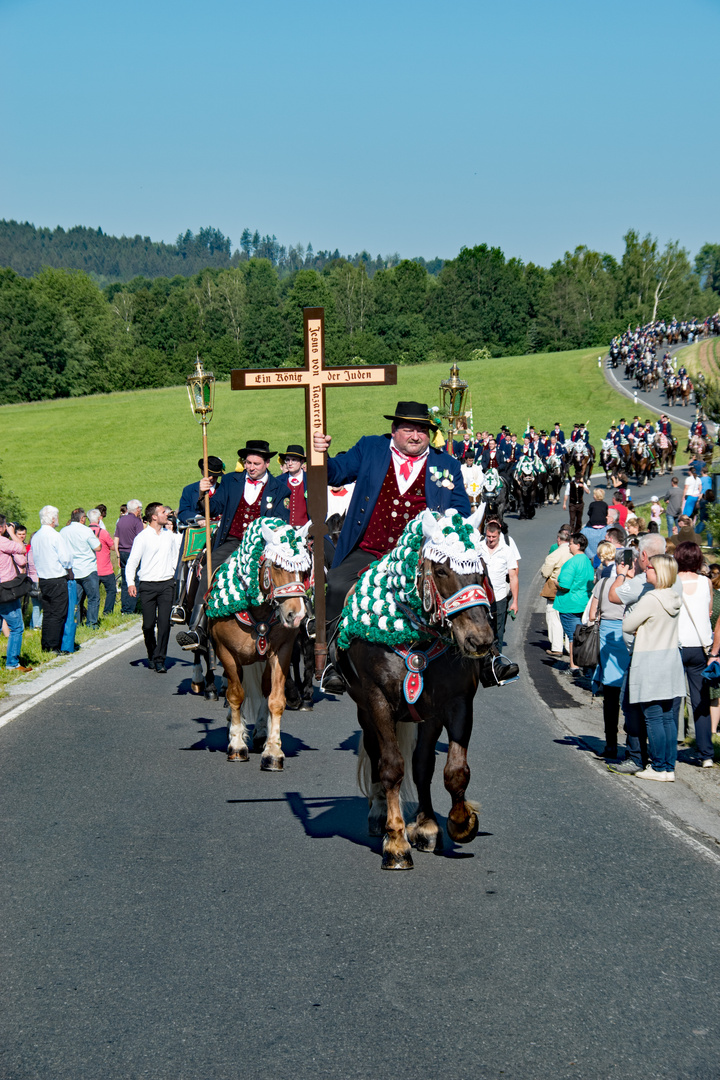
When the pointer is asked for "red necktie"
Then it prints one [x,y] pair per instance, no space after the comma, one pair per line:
[406,469]
[256,482]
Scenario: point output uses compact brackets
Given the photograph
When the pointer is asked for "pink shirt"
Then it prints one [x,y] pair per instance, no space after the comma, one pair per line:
[103,552]
[13,559]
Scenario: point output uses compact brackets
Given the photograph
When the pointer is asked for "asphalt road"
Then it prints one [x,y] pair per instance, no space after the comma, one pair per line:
[169,915]
[656,398]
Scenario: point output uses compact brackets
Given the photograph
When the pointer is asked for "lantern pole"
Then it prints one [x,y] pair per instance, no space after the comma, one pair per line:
[201,391]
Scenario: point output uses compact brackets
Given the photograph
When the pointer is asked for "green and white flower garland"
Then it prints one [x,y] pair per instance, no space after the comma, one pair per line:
[236,585]
[372,612]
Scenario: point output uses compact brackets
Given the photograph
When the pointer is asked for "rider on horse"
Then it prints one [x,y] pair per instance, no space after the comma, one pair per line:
[238,500]
[397,476]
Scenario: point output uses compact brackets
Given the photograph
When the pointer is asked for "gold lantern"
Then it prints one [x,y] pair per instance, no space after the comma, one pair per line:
[201,391]
[455,405]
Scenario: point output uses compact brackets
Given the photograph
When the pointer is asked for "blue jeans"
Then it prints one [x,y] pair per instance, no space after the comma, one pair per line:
[128,605]
[68,638]
[36,614]
[11,612]
[90,587]
[671,523]
[661,734]
[569,621]
[108,580]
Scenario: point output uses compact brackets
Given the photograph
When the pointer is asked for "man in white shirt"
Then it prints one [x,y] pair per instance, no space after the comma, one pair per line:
[52,559]
[154,558]
[83,544]
[502,565]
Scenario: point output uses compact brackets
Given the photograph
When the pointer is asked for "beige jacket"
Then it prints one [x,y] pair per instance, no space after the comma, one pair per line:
[555,561]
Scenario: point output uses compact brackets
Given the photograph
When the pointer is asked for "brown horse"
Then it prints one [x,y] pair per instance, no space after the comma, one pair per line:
[258,642]
[397,684]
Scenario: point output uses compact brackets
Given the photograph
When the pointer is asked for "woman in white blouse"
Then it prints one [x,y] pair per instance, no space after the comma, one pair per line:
[695,637]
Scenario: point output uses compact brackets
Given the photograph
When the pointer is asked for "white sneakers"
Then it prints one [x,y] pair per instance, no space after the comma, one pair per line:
[707,763]
[650,774]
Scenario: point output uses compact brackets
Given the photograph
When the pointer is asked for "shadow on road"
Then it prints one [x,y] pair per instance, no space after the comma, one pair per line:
[215,739]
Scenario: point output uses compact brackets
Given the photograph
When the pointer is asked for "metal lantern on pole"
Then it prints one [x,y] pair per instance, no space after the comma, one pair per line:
[454,404]
[201,391]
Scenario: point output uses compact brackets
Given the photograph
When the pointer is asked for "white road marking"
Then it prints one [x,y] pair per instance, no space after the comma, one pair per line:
[62,683]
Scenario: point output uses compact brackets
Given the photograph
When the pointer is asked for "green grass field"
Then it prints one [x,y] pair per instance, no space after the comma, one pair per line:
[145,445]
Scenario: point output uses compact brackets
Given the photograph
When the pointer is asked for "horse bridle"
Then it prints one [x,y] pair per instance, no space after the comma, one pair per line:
[274,595]
[440,610]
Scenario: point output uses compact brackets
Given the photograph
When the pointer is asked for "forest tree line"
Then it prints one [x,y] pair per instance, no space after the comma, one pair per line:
[62,335]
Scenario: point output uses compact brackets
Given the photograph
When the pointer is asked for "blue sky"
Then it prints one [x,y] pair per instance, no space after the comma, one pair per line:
[400,125]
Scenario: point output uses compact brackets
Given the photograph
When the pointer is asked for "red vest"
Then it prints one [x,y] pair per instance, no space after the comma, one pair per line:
[298,505]
[244,515]
[392,513]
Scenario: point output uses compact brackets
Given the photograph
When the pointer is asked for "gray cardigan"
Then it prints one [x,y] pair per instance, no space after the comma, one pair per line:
[656,667]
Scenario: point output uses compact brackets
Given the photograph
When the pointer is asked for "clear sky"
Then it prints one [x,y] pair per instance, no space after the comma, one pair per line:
[401,125]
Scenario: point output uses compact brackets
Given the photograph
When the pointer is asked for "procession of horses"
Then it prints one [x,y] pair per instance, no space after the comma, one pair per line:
[415,638]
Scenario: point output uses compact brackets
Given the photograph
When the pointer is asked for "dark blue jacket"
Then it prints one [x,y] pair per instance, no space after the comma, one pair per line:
[188,508]
[227,498]
[367,463]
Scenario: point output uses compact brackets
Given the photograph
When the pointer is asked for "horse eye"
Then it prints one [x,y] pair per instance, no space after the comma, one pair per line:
[440,571]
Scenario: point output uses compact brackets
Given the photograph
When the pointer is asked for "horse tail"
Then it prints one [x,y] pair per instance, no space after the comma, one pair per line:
[406,735]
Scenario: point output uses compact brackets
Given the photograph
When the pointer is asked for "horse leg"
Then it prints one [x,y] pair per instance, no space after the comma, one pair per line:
[425,833]
[369,777]
[272,759]
[307,648]
[197,679]
[462,823]
[391,769]
[237,730]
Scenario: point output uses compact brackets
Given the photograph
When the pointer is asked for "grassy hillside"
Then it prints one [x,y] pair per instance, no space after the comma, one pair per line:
[145,445]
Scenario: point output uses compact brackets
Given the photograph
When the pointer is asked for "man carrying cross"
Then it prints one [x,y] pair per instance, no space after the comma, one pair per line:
[396,477]
[240,499]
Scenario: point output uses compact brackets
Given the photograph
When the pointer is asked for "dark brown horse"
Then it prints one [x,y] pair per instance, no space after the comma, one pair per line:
[392,686]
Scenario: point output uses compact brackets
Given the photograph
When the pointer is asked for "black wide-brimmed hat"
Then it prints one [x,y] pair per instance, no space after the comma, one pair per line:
[414,411]
[257,446]
[293,450]
[216,467]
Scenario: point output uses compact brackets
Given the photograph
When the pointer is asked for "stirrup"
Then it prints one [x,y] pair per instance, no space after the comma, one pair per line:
[191,641]
[178,614]
[491,674]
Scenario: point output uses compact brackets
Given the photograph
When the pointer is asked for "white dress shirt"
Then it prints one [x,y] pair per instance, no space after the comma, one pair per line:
[51,555]
[416,464]
[155,553]
[83,544]
[253,489]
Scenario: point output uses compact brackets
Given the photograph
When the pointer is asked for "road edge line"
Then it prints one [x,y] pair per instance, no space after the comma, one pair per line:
[42,695]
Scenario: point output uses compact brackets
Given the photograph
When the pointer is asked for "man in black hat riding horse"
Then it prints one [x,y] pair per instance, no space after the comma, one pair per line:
[240,499]
[396,477]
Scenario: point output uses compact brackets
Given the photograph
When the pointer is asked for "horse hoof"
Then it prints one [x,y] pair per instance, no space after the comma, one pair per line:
[425,840]
[271,763]
[307,706]
[465,834]
[239,755]
[394,860]
[211,694]
[197,687]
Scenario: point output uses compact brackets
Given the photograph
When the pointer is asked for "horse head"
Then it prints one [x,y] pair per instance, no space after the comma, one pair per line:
[453,580]
[285,559]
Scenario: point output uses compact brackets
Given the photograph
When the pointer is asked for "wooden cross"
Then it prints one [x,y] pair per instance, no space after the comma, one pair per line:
[314,377]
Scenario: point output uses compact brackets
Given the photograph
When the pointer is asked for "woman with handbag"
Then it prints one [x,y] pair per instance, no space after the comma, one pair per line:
[14,584]
[695,640]
[574,584]
[550,570]
[614,657]
[656,675]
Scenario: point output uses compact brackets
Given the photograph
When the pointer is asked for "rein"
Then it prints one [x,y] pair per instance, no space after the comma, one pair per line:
[274,596]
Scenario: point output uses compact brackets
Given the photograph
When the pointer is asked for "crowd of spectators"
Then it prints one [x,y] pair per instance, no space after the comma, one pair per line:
[62,570]
[657,602]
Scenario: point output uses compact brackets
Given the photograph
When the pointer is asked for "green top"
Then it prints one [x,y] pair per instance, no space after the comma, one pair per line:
[577,577]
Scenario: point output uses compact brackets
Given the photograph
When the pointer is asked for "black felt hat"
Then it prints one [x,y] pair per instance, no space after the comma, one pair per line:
[216,467]
[257,446]
[413,411]
[293,450]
